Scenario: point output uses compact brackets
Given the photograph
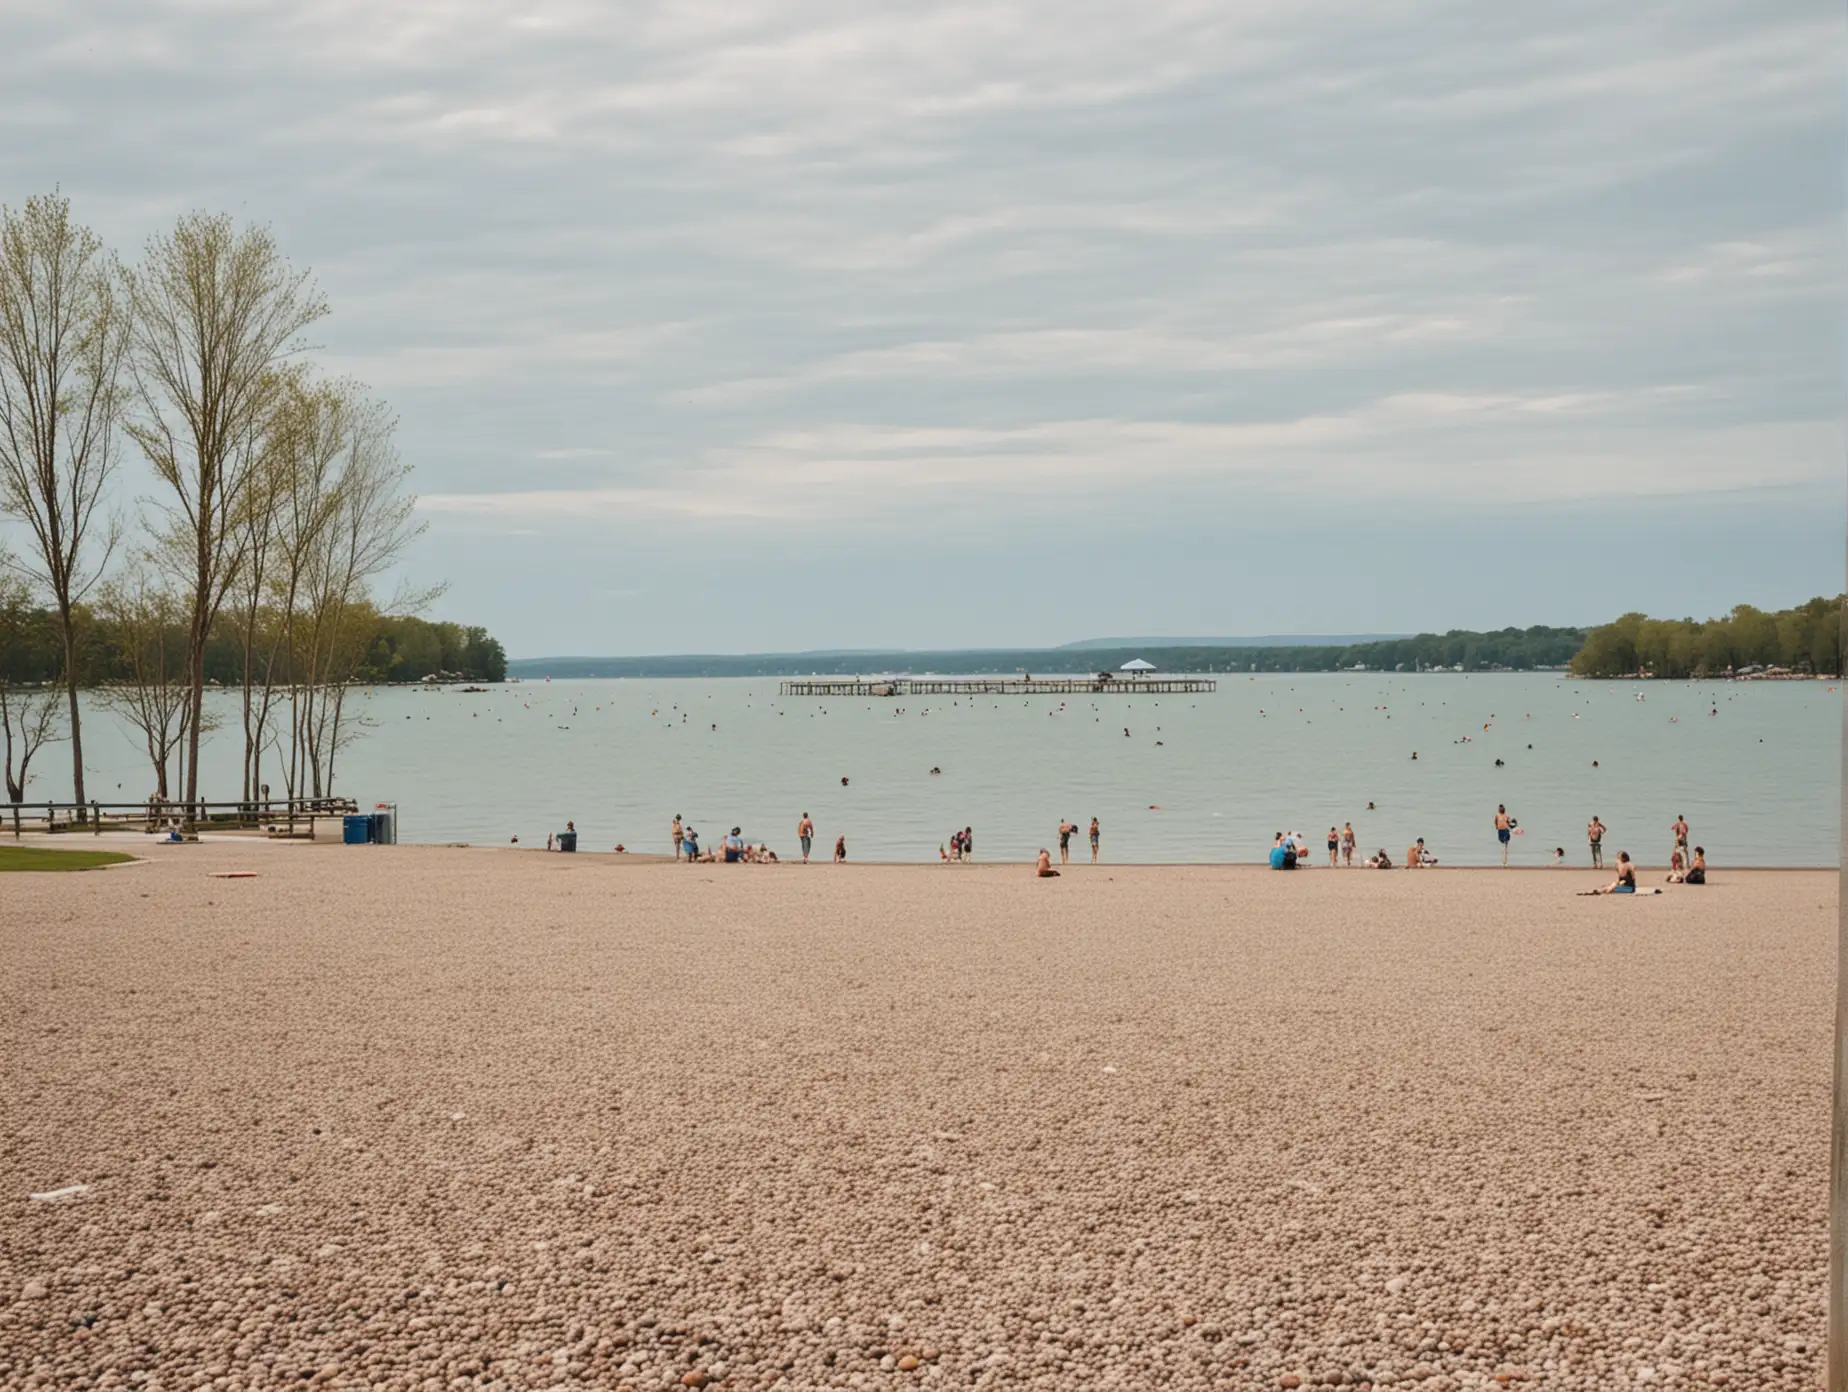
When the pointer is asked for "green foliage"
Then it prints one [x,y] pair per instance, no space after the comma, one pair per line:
[1804,639]
[409,649]
[397,648]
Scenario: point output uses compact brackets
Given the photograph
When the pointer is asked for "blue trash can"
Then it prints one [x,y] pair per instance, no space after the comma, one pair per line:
[358,829]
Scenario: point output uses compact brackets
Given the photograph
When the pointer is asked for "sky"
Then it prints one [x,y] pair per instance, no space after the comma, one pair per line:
[716,327]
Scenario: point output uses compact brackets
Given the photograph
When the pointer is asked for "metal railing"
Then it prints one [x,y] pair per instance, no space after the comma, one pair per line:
[278,816]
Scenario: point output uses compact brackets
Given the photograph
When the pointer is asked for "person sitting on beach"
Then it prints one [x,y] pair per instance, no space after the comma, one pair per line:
[1697,868]
[1625,883]
[691,837]
[1380,860]
[1283,854]
[1044,869]
[1677,871]
[734,847]
[1414,855]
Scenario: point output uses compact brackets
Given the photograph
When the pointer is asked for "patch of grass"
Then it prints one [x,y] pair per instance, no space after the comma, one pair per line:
[38,858]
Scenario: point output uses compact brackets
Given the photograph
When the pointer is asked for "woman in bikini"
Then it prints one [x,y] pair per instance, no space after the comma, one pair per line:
[1625,883]
[1347,844]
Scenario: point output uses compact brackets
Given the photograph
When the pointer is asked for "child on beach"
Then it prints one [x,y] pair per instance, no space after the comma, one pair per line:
[840,850]
[1044,868]
[1504,830]
[1559,858]
[1334,848]
[1094,836]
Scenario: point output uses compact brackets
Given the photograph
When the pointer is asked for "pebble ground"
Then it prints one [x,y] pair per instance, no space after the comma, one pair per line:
[424,1118]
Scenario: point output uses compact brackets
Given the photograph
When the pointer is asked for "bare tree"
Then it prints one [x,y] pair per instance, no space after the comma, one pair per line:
[218,315]
[365,521]
[28,714]
[28,719]
[63,332]
[150,624]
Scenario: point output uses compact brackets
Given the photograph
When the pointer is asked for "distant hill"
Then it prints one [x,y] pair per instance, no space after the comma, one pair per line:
[1271,640]
[1509,649]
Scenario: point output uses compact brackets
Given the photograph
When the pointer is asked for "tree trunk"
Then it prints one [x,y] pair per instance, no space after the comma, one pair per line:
[70,687]
[196,705]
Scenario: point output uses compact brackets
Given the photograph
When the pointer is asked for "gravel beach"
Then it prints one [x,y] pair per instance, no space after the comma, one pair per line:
[406,1117]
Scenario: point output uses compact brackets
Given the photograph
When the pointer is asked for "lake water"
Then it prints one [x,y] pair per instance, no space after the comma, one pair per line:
[1197,778]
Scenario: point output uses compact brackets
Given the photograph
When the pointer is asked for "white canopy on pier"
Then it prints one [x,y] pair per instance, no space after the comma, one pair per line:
[1136,664]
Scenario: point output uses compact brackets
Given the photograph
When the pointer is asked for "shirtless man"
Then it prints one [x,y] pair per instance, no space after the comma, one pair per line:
[679,836]
[1504,830]
[1095,834]
[1594,833]
[1065,841]
[805,830]
[1680,829]
[1044,866]
[1414,855]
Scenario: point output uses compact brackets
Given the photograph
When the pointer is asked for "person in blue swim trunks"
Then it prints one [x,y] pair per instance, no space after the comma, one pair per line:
[1504,830]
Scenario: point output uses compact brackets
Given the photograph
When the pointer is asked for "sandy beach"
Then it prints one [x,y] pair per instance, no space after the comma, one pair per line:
[417,1117]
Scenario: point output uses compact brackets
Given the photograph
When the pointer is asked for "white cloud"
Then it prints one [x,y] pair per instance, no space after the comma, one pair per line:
[767,265]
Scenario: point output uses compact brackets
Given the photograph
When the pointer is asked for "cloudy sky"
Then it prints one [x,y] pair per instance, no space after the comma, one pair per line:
[721,327]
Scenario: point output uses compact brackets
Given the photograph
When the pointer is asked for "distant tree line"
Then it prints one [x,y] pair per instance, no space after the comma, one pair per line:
[1511,649]
[279,506]
[389,648]
[1806,639]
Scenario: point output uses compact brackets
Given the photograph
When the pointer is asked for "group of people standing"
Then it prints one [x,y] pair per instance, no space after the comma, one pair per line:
[1069,829]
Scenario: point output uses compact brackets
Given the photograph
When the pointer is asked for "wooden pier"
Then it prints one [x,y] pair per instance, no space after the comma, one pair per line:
[996,686]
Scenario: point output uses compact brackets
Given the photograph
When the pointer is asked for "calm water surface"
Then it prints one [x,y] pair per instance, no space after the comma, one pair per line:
[1754,766]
